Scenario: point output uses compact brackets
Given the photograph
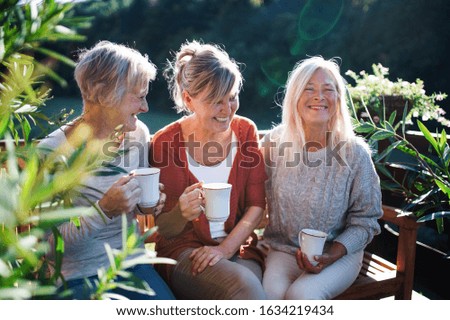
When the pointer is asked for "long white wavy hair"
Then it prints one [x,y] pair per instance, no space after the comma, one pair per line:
[292,128]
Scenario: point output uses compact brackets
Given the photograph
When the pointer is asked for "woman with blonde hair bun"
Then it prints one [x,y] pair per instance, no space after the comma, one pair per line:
[216,260]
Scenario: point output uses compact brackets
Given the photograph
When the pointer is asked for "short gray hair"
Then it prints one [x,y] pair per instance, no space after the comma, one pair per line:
[198,67]
[107,71]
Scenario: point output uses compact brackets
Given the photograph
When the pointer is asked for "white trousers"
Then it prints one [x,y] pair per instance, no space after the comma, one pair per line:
[283,279]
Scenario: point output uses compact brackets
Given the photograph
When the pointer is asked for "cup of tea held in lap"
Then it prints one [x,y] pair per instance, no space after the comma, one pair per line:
[148,179]
[217,201]
[311,242]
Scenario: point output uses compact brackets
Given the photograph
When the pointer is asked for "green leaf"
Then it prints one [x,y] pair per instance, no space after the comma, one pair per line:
[412,153]
[110,256]
[407,167]
[405,114]
[381,135]
[383,170]
[389,149]
[110,170]
[365,127]
[389,127]
[26,128]
[445,188]
[446,156]
[4,122]
[57,56]
[392,117]
[434,216]
[52,74]
[59,252]
[428,136]
[29,179]
[391,186]
[443,141]
[133,288]
[57,216]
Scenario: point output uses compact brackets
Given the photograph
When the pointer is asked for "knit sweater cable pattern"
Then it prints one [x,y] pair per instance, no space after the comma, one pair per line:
[342,200]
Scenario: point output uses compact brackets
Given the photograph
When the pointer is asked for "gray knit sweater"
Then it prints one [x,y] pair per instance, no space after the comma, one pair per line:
[342,199]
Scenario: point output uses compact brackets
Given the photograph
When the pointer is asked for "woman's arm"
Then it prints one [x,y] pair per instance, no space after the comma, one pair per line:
[364,208]
[188,208]
[240,233]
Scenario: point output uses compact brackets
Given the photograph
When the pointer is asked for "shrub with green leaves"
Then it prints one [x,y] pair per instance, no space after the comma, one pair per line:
[426,184]
[37,189]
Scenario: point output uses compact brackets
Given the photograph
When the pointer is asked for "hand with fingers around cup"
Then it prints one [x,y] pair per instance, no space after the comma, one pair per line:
[191,202]
[121,197]
[159,206]
[331,253]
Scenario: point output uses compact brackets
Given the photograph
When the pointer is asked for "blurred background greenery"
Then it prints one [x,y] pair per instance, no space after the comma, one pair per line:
[268,37]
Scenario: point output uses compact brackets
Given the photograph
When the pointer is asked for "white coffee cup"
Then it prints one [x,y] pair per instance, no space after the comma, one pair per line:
[217,201]
[311,242]
[148,179]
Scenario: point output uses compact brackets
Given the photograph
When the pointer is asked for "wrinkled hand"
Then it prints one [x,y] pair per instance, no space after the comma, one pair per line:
[191,202]
[304,263]
[331,254]
[122,197]
[204,257]
[161,201]
[159,206]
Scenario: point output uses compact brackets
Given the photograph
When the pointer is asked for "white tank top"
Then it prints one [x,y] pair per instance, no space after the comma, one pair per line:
[216,173]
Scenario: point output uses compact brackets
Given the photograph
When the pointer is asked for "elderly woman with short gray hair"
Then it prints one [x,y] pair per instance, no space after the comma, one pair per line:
[113,80]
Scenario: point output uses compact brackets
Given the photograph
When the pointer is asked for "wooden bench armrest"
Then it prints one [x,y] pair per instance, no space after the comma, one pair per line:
[400,218]
[406,247]
[379,278]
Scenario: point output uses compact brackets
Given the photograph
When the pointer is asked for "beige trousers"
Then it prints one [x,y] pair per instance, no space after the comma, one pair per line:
[227,280]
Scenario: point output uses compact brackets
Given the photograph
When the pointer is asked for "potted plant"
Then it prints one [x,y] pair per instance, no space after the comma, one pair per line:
[424,184]
[377,93]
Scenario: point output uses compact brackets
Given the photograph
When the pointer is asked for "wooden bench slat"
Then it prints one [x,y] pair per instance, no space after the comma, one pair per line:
[380,278]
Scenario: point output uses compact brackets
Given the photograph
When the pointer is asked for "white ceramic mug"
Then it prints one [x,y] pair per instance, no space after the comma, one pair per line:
[311,242]
[148,179]
[217,201]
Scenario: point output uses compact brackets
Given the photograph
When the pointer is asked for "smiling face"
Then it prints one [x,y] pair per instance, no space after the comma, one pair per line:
[126,112]
[213,117]
[318,101]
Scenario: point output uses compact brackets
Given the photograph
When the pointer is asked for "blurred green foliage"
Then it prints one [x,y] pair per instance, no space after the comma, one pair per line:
[38,185]
[269,37]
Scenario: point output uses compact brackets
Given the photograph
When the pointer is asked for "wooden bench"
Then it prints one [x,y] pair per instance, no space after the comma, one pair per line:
[378,277]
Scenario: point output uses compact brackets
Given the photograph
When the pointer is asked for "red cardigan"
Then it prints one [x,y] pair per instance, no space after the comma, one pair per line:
[247,176]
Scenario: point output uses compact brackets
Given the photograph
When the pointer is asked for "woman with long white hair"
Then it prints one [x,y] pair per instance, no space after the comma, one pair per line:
[321,176]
